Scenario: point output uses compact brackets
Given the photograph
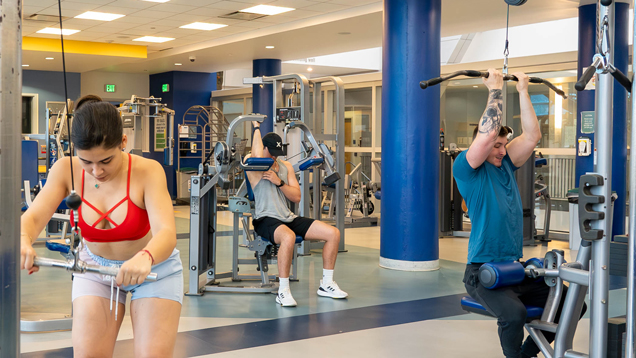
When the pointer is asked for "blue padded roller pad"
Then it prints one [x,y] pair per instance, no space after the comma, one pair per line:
[469,304]
[310,163]
[54,246]
[493,275]
[540,161]
[258,161]
[378,195]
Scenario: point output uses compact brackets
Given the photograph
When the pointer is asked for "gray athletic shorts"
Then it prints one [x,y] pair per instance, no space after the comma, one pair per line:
[169,284]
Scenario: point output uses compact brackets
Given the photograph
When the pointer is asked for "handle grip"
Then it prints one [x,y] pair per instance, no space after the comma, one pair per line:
[431,82]
[585,78]
[82,267]
[622,79]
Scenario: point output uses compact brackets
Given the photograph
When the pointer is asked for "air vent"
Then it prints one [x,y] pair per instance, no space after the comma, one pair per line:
[44,18]
[245,16]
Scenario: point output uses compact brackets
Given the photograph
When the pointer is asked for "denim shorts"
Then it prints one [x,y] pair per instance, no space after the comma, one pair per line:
[169,284]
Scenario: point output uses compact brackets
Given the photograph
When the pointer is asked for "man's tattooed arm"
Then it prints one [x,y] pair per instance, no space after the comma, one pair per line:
[491,119]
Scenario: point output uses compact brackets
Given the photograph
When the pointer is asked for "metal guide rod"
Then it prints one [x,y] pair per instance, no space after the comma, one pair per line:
[599,290]
[10,174]
[631,250]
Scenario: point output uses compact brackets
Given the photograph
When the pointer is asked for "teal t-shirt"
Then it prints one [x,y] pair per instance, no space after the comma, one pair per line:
[494,208]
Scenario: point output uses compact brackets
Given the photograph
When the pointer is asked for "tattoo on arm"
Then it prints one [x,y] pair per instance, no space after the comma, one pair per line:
[492,117]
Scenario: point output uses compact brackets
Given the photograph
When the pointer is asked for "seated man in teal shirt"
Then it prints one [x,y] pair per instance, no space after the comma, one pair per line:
[485,178]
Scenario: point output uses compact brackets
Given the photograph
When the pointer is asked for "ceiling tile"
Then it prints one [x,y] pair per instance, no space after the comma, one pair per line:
[136,4]
[99,2]
[153,14]
[114,27]
[299,14]
[80,24]
[207,11]
[195,2]
[53,10]
[354,2]
[231,5]
[190,17]
[326,7]
[295,4]
[149,29]
[135,19]
[117,10]
[28,10]
[173,8]
[73,5]
[39,3]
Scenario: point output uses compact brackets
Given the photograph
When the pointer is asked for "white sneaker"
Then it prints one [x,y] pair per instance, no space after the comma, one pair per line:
[285,298]
[332,290]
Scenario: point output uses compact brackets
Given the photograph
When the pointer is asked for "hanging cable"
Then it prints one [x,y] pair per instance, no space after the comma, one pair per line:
[73,201]
[506,49]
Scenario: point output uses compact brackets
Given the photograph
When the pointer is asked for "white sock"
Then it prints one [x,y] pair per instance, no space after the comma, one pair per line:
[284,284]
[327,276]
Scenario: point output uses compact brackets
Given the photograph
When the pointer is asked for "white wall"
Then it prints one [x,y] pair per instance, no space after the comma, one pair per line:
[126,84]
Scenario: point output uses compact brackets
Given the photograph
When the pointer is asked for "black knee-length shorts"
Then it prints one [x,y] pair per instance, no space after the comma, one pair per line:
[266,226]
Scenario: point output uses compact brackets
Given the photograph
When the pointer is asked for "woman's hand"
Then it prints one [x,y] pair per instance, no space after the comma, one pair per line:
[27,256]
[135,270]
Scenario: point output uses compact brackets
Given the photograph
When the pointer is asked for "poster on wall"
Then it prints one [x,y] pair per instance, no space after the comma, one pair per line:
[160,133]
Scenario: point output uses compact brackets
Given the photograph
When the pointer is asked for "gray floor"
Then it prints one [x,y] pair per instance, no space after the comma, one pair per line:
[371,290]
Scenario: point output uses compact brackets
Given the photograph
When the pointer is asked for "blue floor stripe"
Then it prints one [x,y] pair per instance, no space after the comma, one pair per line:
[249,335]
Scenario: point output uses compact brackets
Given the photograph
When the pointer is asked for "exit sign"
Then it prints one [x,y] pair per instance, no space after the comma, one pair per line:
[109,88]
[165,87]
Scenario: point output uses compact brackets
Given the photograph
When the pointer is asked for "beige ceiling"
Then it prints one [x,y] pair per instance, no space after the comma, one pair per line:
[311,30]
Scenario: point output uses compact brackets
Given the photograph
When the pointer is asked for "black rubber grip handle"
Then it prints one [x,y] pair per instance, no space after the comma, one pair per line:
[431,82]
[587,76]
[622,79]
[473,73]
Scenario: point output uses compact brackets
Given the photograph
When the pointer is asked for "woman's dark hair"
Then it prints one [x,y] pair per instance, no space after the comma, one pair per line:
[87,99]
[96,124]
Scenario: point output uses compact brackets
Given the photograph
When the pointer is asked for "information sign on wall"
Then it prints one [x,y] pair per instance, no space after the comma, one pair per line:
[160,133]
[587,122]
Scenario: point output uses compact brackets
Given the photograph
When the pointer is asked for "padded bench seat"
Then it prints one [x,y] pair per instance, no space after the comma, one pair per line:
[471,305]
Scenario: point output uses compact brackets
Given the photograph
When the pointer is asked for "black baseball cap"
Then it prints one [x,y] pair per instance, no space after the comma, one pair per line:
[274,144]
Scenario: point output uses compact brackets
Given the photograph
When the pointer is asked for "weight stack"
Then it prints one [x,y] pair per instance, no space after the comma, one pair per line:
[618,256]
[616,337]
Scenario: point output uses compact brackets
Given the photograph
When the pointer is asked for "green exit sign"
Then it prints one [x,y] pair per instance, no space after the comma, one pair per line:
[165,88]
[110,88]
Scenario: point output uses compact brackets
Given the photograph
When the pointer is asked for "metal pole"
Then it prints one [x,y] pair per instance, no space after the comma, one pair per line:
[10,174]
[631,251]
[599,290]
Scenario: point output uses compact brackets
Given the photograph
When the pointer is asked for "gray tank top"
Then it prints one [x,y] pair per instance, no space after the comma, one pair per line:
[270,200]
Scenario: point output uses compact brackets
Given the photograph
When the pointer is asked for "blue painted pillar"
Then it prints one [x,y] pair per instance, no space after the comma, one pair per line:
[585,102]
[410,135]
[585,99]
[619,139]
[262,97]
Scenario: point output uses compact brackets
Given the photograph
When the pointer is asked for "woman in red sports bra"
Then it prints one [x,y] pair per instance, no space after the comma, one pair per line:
[126,219]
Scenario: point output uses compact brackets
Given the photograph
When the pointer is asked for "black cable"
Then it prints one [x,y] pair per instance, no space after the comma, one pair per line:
[68,122]
[506,51]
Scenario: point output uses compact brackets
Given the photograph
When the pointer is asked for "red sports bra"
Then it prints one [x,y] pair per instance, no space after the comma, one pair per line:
[135,226]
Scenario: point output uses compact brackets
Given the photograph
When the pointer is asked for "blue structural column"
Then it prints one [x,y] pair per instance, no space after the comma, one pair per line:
[262,96]
[410,135]
[585,102]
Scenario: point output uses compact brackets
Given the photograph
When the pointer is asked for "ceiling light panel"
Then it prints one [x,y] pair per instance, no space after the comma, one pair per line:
[56,31]
[202,26]
[267,9]
[160,1]
[100,16]
[153,39]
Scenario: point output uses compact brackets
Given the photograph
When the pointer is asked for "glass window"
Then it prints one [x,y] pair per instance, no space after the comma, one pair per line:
[27,115]
[358,106]
[378,116]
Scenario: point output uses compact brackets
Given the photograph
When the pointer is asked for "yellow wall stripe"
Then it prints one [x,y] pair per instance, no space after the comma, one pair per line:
[84,47]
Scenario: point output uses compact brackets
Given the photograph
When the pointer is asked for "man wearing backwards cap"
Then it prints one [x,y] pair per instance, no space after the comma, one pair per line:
[274,221]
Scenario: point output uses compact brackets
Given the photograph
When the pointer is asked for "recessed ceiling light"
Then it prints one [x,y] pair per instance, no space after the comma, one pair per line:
[157,0]
[202,26]
[457,83]
[49,58]
[178,64]
[153,39]
[309,69]
[270,47]
[25,65]
[56,31]
[475,86]
[267,9]
[101,16]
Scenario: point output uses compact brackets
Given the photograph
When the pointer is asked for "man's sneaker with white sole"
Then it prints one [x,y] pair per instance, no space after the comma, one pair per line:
[331,290]
[285,298]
